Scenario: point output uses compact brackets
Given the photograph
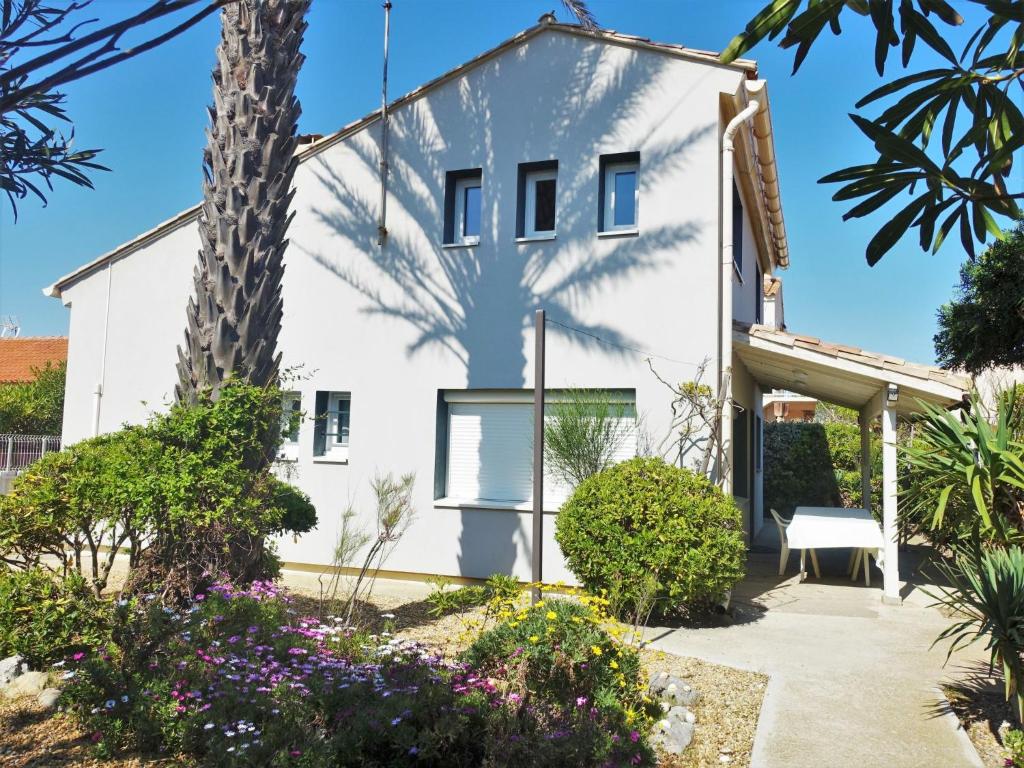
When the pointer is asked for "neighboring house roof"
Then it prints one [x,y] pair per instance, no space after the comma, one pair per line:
[322,143]
[839,373]
[18,356]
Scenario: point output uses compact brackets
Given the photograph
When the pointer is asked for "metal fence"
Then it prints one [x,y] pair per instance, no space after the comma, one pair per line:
[18,451]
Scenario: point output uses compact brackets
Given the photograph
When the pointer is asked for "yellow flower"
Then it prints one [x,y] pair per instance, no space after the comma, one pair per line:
[597,651]
[534,638]
[513,623]
[613,664]
[552,615]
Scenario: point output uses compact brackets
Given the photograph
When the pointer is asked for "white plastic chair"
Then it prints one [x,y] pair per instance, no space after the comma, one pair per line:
[782,524]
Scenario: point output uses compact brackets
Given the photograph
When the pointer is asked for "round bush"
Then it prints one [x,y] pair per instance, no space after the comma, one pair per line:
[644,524]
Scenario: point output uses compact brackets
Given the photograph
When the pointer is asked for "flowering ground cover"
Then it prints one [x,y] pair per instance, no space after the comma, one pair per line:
[239,678]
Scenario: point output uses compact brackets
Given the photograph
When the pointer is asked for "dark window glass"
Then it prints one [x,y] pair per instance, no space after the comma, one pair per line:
[758,296]
[471,213]
[737,230]
[740,454]
[544,210]
[625,198]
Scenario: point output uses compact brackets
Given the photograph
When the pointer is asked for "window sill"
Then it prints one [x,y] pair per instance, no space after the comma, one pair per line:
[631,232]
[332,457]
[461,245]
[536,238]
[511,506]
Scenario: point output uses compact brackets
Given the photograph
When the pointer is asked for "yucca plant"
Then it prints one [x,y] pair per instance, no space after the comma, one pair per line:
[971,459]
[234,318]
[986,596]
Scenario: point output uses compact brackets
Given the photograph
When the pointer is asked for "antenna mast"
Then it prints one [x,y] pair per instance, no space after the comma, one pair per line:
[382,229]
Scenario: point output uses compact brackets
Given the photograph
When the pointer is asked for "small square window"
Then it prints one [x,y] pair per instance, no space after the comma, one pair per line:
[462,207]
[291,422]
[619,193]
[331,435]
[538,200]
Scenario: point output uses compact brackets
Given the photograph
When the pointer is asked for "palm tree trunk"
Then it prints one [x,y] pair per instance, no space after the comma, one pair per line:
[234,317]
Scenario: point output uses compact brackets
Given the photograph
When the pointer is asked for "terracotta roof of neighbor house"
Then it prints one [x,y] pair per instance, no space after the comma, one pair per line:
[317,145]
[18,356]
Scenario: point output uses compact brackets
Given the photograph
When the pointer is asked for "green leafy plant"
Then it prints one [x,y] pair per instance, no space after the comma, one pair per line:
[962,107]
[986,597]
[500,589]
[46,617]
[583,432]
[817,464]
[558,650]
[34,407]
[962,462]
[1013,742]
[984,324]
[644,517]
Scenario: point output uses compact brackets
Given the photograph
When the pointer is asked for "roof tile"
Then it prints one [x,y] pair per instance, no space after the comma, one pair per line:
[19,355]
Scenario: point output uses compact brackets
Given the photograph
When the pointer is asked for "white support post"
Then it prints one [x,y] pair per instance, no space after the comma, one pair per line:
[891,568]
[865,460]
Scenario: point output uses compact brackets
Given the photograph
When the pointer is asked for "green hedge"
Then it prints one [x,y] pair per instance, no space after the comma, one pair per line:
[813,464]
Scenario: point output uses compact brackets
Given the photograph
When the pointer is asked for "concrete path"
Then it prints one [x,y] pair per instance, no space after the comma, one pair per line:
[852,682]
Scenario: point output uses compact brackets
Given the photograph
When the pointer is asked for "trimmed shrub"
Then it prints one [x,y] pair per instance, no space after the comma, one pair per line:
[645,518]
[34,407]
[46,618]
[812,464]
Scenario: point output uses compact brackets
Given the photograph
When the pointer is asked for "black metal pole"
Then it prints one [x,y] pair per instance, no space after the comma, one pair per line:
[538,453]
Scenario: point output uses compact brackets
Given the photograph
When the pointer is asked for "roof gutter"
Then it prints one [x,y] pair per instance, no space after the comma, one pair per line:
[768,173]
[725,284]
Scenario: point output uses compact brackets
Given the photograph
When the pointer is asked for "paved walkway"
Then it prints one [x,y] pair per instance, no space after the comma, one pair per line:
[852,682]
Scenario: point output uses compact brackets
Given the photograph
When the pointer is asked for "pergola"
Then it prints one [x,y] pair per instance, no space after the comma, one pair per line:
[874,385]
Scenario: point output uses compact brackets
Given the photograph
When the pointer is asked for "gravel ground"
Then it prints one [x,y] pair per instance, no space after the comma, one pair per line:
[979,703]
[727,712]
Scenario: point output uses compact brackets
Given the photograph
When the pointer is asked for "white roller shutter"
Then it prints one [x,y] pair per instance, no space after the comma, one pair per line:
[490,451]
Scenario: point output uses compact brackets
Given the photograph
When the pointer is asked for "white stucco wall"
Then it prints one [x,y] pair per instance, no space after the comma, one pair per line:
[394,326]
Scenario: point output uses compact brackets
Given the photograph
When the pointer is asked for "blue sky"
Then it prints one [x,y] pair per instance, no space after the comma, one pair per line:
[149,116]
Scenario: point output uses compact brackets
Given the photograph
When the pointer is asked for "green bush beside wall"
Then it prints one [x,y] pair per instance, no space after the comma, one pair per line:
[812,464]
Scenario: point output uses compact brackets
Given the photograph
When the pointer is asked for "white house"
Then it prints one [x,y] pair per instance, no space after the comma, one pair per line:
[617,183]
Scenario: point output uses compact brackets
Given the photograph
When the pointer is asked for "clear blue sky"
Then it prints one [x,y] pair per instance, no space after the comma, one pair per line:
[149,116]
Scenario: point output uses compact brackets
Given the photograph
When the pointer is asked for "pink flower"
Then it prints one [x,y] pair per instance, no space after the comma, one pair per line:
[78,656]
[296,753]
[634,736]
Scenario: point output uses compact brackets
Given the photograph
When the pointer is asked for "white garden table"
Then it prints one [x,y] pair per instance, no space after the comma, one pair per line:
[832,527]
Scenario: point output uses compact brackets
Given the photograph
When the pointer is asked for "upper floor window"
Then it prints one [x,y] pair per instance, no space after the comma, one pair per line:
[333,412]
[538,199]
[462,207]
[737,230]
[619,192]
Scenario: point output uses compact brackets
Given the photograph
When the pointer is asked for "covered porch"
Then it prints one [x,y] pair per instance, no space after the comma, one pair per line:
[878,387]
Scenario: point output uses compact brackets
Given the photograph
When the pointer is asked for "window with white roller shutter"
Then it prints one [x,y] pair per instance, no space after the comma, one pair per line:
[490,450]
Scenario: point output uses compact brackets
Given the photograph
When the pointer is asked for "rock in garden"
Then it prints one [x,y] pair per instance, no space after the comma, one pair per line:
[676,713]
[12,667]
[659,682]
[680,693]
[28,684]
[48,698]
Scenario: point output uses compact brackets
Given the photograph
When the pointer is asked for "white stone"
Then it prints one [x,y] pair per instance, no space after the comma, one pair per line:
[48,697]
[28,684]
[11,667]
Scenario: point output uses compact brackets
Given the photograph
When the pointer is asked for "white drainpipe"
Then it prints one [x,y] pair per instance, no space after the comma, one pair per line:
[725,361]
[97,395]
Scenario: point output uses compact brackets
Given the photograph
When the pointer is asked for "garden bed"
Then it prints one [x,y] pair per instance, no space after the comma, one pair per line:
[726,713]
[979,703]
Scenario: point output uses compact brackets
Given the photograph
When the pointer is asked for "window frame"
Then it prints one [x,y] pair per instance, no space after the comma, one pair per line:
[611,169]
[737,229]
[530,180]
[288,450]
[454,211]
[326,447]
[462,185]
